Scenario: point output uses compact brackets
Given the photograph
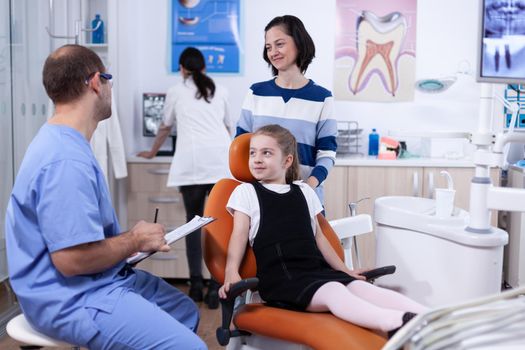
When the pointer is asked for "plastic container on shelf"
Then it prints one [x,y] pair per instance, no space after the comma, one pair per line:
[97,36]
[373,143]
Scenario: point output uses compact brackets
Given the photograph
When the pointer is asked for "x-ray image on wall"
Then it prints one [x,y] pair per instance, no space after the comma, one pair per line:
[152,112]
[503,50]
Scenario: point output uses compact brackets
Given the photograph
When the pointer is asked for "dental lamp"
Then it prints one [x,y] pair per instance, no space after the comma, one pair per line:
[437,85]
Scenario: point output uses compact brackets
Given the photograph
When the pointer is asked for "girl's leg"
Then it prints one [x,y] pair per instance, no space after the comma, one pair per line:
[384,298]
[336,298]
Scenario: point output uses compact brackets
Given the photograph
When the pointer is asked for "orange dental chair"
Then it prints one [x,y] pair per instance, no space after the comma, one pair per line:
[320,331]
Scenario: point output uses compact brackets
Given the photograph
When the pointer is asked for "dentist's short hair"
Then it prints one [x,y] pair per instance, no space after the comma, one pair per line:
[66,70]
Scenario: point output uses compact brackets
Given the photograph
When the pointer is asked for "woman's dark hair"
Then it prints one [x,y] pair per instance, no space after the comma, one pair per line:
[293,27]
[192,60]
[67,70]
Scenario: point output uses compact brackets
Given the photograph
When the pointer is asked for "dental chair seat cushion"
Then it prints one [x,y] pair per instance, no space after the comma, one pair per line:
[320,331]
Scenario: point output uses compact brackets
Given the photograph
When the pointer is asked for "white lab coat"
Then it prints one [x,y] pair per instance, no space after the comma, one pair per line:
[107,141]
[201,150]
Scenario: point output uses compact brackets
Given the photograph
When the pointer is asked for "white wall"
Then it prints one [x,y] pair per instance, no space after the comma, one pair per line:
[446,35]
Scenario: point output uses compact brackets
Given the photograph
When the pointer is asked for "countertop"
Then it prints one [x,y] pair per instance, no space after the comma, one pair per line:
[355,161]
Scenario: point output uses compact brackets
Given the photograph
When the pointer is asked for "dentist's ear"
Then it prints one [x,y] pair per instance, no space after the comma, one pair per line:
[95,83]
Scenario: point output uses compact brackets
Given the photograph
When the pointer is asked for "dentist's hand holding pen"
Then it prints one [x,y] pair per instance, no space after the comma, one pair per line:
[154,240]
[149,237]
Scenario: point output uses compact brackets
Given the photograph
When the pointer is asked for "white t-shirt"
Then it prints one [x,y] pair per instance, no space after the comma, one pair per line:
[244,199]
[201,151]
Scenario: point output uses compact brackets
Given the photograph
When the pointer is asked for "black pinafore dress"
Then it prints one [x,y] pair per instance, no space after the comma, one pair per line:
[290,267]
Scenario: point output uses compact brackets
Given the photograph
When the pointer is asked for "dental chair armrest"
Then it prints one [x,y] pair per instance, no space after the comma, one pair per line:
[371,275]
[242,286]
[224,333]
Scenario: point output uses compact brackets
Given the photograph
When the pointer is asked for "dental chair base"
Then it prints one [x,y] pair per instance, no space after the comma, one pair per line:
[260,342]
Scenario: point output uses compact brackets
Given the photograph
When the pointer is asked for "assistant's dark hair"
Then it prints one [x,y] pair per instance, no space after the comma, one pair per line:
[193,61]
[66,71]
[288,146]
[293,27]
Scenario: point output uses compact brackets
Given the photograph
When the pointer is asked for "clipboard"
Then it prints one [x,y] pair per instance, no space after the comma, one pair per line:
[171,237]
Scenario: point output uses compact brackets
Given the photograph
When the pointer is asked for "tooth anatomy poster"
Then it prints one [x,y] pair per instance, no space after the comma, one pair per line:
[212,26]
[375,53]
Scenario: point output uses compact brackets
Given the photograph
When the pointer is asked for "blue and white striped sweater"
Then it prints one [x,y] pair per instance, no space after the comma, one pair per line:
[306,112]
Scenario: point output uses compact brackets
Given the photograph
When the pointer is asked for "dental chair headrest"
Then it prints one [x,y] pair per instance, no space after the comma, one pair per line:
[239,156]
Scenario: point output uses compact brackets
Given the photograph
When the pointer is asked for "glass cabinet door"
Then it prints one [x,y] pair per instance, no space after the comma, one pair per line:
[30,48]
[6,140]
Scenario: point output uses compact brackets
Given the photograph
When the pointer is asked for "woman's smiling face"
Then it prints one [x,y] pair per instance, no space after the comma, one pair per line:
[280,49]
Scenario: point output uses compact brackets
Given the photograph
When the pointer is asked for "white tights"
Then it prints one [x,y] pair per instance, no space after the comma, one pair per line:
[364,304]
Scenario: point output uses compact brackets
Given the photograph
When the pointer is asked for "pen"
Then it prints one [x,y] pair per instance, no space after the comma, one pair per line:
[156,215]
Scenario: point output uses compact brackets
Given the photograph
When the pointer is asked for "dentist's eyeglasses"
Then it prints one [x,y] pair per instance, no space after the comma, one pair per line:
[105,76]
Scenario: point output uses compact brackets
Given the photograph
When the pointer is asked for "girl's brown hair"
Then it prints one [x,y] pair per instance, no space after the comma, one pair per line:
[288,146]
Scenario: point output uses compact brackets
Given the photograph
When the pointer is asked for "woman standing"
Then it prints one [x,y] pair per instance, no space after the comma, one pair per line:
[198,107]
[294,101]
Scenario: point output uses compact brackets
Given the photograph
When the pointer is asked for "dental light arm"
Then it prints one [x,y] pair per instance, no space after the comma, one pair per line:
[484,196]
[503,138]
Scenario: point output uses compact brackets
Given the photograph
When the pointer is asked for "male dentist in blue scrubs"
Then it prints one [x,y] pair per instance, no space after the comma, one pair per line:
[65,251]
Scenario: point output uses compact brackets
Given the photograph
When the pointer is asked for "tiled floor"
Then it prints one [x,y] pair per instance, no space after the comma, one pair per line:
[210,320]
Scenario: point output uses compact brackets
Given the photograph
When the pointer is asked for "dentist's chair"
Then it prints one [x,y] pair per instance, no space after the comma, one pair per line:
[260,326]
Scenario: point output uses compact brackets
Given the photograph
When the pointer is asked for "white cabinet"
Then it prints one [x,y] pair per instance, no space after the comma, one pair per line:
[347,184]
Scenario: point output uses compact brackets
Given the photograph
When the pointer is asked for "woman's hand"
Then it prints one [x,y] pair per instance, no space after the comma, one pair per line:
[228,281]
[312,182]
[146,154]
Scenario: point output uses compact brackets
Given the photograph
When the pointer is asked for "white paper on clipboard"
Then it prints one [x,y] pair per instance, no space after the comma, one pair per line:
[173,236]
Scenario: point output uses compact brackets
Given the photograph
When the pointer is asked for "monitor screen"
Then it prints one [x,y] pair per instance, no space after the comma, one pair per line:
[152,112]
[501,41]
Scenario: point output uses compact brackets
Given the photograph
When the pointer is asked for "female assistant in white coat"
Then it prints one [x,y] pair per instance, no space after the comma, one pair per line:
[198,108]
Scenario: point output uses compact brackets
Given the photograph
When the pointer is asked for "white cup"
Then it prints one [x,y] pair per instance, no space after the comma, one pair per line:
[444,202]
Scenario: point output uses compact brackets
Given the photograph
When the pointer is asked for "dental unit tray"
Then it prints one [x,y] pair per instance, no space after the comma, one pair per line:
[349,138]
[492,322]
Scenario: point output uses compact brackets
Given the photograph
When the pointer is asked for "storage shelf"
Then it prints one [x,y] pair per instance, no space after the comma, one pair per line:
[96,46]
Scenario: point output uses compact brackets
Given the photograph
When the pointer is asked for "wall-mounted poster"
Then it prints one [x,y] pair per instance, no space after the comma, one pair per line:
[375,53]
[212,26]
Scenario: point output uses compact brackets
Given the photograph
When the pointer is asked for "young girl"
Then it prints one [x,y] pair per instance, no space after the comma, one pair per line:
[296,265]
[294,101]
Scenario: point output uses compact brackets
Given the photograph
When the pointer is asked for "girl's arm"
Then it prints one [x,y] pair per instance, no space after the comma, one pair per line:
[236,250]
[331,256]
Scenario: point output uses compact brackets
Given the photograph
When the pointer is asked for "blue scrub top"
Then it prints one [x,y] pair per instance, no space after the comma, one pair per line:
[60,200]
